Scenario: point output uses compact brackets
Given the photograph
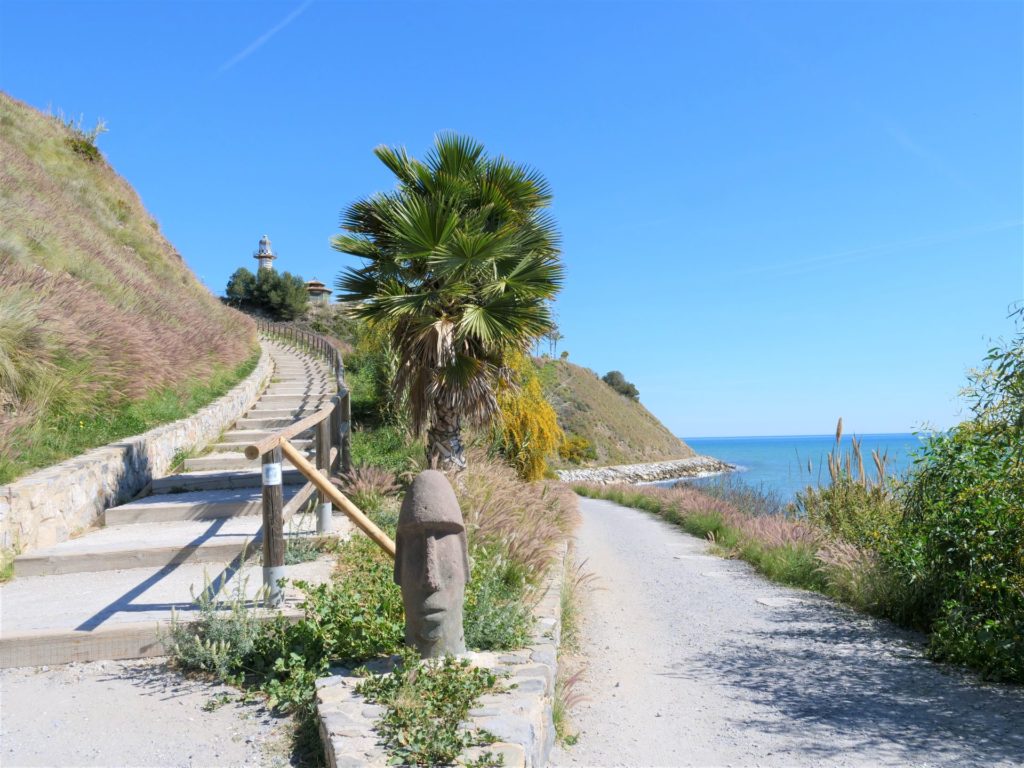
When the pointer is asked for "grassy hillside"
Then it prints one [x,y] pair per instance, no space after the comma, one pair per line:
[103,328]
[622,431]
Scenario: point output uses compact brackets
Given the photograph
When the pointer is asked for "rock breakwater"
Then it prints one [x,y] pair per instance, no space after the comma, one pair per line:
[695,466]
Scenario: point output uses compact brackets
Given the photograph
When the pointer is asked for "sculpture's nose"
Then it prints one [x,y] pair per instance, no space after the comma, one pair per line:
[433,575]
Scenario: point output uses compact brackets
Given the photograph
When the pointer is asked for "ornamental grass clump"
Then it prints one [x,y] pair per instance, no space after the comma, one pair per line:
[527,520]
[368,485]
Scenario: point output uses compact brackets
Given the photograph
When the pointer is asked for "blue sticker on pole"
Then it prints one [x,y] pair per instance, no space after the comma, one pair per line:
[272,474]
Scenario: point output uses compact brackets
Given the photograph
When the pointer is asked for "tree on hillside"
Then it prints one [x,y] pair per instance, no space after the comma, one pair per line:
[458,264]
[617,381]
[240,287]
[282,295]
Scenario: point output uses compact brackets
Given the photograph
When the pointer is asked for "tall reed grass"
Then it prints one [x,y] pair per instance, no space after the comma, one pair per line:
[97,310]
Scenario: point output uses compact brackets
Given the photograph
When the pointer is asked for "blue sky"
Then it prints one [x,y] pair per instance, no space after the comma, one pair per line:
[774,214]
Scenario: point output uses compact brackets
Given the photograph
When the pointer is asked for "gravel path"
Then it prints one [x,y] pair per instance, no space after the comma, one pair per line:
[129,713]
[695,660]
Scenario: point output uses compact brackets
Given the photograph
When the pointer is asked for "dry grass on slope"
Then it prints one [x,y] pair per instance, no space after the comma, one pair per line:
[622,431]
[97,309]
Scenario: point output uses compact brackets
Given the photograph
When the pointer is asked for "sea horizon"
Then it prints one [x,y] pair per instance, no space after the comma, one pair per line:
[786,464]
[830,436]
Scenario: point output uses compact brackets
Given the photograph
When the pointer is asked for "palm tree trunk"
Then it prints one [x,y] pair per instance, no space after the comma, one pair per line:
[444,440]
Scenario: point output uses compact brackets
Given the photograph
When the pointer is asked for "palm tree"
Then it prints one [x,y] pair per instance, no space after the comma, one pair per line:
[459,262]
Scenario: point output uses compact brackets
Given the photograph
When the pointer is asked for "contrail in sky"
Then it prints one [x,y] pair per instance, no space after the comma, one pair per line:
[259,41]
[858,254]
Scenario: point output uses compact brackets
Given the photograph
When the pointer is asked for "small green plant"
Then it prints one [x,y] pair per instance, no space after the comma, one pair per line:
[6,565]
[575,581]
[83,142]
[426,704]
[218,639]
[389,447]
[122,211]
[567,696]
[497,611]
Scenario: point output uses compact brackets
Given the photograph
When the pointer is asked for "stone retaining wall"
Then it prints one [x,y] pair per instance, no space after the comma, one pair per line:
[521,717]
[695,466]
[46,507]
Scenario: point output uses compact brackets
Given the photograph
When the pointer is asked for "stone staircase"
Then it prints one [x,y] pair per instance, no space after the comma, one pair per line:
[109,594]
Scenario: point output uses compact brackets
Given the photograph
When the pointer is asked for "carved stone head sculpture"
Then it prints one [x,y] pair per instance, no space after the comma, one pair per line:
[432,565]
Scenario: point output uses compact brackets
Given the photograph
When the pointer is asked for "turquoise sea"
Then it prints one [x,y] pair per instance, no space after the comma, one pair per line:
[780,463]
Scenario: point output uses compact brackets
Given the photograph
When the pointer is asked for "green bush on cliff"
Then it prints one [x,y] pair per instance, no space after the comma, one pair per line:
[963,528]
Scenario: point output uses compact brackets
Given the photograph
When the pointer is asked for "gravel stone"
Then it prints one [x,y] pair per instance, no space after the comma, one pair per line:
[801,681]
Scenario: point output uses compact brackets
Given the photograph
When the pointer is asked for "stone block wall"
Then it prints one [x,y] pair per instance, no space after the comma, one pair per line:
[48,506]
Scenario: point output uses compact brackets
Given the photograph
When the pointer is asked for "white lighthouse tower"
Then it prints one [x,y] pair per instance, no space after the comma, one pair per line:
[265,256]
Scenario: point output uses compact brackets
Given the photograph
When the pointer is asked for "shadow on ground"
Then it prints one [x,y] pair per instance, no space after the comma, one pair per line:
[828,668]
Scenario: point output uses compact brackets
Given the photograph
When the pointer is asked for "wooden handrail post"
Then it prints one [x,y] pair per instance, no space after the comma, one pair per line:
[345,430]
[323,464]
[273,527]
[335,422]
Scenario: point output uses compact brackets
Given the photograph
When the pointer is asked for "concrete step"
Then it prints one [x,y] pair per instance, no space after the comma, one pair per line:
[123,614]
[298,391]
[210,480]
[275,424]
[240,446]
[194,505]
[301,379]
[146,545]
[250,436]
[292,401]
[295,414]
[225,461]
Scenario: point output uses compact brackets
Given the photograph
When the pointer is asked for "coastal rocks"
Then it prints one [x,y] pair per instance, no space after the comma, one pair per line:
[695,466]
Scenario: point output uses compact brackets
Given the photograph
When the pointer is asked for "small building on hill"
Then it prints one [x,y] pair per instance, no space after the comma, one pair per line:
[318,292]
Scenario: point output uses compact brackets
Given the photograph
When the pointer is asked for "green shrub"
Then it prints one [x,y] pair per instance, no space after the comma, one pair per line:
[496,614]
[426,704]
[958,553]
[576,449]
[862,514]
[963,540]
[617,381]
[218,640]
[390,447]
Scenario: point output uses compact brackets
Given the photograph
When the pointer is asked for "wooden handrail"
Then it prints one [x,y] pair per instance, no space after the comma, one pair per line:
[270,442]
[277,444]
[338,498]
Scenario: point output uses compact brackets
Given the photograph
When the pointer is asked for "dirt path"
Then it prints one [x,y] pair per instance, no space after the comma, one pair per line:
[129,713]
[695,660]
